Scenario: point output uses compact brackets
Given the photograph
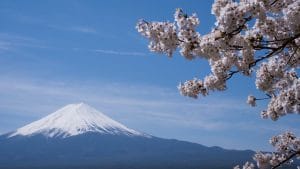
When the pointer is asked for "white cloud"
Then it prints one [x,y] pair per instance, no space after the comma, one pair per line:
[132,99]
[113,52]
[12,42]
[83,29]
[156,110]
[77,28]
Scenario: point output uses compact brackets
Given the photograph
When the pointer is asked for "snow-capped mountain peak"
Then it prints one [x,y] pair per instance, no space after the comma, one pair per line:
[75,119]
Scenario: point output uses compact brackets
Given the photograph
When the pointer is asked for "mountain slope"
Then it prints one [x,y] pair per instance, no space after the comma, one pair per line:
[74,119]
[94,150]
[79,137]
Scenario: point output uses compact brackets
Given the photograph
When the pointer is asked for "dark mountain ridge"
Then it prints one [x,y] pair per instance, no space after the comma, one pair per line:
[93,150]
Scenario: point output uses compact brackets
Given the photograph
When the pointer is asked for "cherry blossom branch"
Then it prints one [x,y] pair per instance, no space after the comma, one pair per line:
[234,47]
[277,50]
[274,51]
[287,159]
[240,28]
[256,47]
[292,55]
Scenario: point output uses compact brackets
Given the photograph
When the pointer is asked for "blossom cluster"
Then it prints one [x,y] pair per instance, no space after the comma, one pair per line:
[247,165]
[243,31]
[192,88]
[287,147]
[251,100]
[187,33]
[288,98]
[162,35]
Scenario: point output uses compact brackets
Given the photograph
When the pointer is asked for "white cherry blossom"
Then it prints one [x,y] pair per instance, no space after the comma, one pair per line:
[250,37]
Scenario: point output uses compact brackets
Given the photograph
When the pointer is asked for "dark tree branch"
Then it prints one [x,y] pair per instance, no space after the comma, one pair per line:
[240,28]
[272,53]
[287,159]
[231,74]
[263,98]
[292,55]
[273,2]
[277,50]
[269,95]
[145,21]
[180,40]
[256,47]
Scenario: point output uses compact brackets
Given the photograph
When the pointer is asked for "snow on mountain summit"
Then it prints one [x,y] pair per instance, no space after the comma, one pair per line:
[75,119]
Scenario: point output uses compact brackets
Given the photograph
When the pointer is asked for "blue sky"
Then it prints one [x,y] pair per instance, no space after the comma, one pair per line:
[54,53]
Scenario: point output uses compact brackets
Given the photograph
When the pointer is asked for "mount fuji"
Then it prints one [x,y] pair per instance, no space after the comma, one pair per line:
[78,136]
[72,120]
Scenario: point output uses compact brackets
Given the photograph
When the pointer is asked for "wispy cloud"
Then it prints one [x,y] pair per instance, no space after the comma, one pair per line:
[21,17]
[5,45]
[77,28]
[113,52]
[12,42]
[137,100]
[156,110]
[83,29]
[133,99]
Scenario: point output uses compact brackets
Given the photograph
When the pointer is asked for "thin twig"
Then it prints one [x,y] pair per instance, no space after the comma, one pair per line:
[292,55]
[273,2]
[273,52]
[277,50]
